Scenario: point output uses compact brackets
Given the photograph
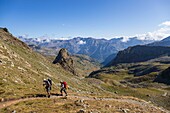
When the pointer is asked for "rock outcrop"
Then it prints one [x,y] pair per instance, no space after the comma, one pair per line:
[65,60]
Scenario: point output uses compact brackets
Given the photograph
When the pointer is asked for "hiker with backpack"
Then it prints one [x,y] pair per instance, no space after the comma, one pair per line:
[63,88]
[47,83]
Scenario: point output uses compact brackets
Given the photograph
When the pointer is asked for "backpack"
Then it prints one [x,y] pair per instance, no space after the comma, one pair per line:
[50,81]
[46,83]
[65,84]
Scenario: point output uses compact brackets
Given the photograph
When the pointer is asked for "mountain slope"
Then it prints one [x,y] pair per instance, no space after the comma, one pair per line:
[164,42]
[140,54]
[136,79]
[84,65]
[79,104]
[22,70]
[164,77]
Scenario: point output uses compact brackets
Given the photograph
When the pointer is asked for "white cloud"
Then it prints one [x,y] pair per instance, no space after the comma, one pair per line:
[125,38]
[161,33]
[62,38]
[24,36]
[166,23]
[81,42]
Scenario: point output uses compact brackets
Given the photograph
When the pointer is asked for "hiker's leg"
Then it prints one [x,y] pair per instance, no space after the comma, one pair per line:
[65,91]
[61,91]
[48,92]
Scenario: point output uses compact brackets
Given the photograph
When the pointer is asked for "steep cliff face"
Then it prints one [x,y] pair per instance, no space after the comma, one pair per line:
[65,60]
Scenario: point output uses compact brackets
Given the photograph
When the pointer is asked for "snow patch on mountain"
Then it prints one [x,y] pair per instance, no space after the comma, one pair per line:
[81,42]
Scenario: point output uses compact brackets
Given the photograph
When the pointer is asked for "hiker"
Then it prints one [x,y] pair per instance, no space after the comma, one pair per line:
[47,85]
[63,88]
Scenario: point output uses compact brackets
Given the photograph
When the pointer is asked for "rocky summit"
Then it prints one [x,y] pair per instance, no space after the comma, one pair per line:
[65,60]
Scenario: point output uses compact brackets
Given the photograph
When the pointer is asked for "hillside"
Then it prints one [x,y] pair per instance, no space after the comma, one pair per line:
[139,54]
[164,77]
[79,104]
[84,65]
[138,80]
[22,70]
[139,71]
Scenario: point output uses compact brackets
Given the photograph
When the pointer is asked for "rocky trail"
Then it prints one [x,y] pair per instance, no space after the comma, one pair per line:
[129,100]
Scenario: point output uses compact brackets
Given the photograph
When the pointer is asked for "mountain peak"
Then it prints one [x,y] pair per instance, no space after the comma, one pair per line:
[4,29]
[6,36]
[65,60]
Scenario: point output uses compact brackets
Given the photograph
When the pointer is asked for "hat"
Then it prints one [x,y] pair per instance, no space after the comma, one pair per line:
[48,78]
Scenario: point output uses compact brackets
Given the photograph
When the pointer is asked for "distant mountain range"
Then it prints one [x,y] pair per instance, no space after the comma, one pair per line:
[99,49]
[164,42]
[141,53]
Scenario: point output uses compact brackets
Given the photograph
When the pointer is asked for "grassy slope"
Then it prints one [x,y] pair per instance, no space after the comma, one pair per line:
[72,105]
[22,70]
[84,65]
[120,80]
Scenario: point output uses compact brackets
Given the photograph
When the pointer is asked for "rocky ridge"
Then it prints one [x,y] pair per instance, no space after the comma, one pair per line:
[140,54]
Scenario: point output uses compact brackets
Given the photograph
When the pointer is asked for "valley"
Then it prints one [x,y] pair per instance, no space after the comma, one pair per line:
[121,86]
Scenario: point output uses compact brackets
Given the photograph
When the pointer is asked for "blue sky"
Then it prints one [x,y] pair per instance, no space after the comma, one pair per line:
[87,18]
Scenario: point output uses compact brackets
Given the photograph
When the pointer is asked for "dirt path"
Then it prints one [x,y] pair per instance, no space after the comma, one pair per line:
[129,100]
[11,102]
